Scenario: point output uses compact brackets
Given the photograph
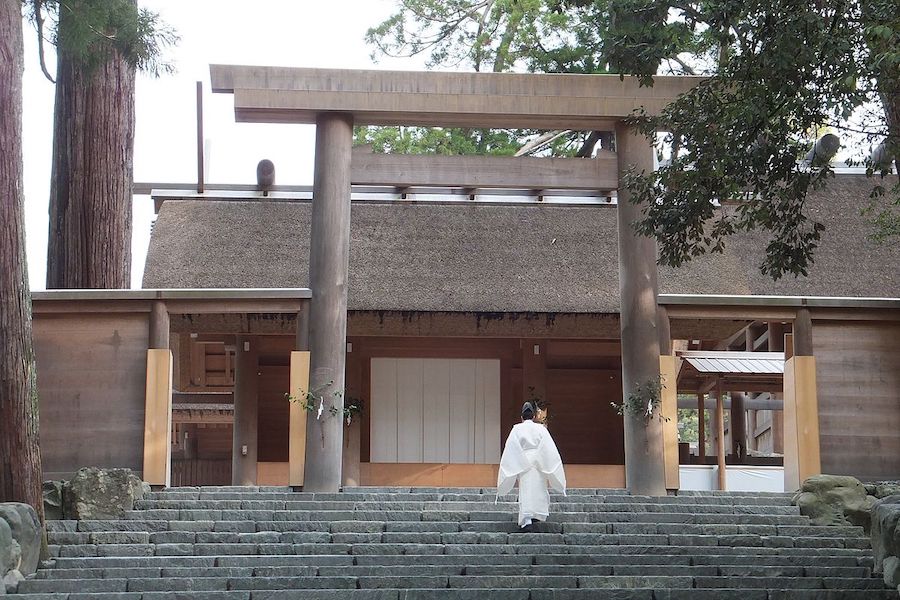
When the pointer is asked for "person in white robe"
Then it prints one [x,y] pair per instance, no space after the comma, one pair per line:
[531,458]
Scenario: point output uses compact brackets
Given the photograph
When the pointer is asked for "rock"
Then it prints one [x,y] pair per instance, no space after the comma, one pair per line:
[26,530]
[95,493]
[835,500]
[10,552]
[870,488]
[11,581]
[886,534]
[891,571]
[886,488]
[53,500]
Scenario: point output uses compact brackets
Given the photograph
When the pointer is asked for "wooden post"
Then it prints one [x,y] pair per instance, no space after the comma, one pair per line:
[669,407]
[803,344]
[328,275]
[720,434]
[665,331]
[159,325]
[297,418]
[157,467]
[644,447]
[776,344]
[701,428]
[738,427]
[246,412]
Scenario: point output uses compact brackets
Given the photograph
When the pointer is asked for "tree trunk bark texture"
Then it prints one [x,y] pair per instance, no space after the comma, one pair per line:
[20,457]
[91,182]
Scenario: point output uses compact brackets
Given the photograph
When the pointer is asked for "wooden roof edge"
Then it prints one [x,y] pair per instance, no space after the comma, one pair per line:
[776,301]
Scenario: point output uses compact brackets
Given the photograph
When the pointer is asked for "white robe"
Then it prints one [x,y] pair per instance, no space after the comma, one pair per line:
[531,457]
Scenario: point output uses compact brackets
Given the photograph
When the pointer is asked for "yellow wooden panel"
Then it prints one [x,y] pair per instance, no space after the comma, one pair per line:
[272,473]
[470,475]
[158,418]
[668,371]
[801,422]
[297,427]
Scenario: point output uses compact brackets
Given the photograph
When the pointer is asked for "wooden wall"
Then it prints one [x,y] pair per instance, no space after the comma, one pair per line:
[91,387]
[272,442]
[858,378]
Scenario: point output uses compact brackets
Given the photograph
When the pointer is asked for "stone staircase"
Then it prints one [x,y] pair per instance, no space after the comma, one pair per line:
[269,543]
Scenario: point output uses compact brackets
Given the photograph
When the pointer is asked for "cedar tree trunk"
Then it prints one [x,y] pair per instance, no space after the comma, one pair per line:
[20,457]
[91,183]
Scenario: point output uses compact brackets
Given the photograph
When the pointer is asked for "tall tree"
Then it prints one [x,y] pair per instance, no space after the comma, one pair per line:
[20,458]
[100,44]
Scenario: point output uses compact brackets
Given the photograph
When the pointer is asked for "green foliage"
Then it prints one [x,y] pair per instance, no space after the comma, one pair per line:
[787,67]
[780,72]
[329,405]
[643,402]
[91,30]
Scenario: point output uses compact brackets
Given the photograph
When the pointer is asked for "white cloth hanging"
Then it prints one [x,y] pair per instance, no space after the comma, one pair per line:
[531,458]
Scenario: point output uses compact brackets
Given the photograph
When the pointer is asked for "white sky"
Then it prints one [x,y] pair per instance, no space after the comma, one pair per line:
[303,33]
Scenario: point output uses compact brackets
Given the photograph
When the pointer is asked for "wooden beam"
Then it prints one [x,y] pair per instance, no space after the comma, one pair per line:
[803,342]
[297,418]
[669,413]
[158,418]
[720,437]
[519,172]
[801,422]
[505,100]
[701,428]
[159,326]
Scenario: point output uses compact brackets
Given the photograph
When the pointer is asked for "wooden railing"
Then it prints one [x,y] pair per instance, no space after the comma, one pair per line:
[189,472]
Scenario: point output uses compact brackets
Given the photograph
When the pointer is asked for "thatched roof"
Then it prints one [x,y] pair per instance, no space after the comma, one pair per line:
[478,257]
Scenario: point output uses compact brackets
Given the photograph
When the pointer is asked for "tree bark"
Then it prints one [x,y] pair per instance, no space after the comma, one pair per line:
[20,457]
[91,182]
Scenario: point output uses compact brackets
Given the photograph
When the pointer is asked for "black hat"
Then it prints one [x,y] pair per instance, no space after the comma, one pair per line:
[528,410]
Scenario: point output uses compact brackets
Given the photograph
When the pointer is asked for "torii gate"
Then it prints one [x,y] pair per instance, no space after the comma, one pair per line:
[336,100]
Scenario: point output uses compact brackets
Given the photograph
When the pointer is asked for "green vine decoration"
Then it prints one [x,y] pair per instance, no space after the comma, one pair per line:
[316,400]
[644,402]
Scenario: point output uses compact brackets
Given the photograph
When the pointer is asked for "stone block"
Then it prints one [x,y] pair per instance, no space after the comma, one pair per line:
[94,493]
[25,529]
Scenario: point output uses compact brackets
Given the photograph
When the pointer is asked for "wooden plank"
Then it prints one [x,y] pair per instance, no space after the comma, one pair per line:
[520,172]
[462,399]
[409,410]
[801,422]
[158,418]
[471,475]
[297,415]
[669,412]
[490,416]
[383,439]
[273,473]
[275,94]
[720,437]
[436,407]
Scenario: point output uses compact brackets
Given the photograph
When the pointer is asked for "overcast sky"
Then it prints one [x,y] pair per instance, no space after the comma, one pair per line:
[303,33]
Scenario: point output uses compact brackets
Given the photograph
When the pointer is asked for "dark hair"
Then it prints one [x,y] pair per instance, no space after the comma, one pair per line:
[528,410]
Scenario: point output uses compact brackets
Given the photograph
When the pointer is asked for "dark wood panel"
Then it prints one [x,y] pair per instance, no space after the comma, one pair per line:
[201,472]
[274,383]
[584,426]
[91,387]
[858,378]
[214,441]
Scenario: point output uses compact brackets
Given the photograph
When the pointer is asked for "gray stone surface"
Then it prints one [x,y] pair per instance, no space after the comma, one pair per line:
[95,493]
[835,500]
[53,500]
[26,530]
[10,581]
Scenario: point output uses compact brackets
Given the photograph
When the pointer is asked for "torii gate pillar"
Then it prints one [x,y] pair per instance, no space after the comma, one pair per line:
[644,447]
[329,254]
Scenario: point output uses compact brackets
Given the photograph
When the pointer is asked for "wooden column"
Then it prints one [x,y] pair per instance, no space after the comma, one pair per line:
[776,344]
[299,385]
[701,428]
[328,274]
[801,409]
[246,412]
[669,407]
[738,427]
[644,447]
[157,467]
[720,435]
[159,325]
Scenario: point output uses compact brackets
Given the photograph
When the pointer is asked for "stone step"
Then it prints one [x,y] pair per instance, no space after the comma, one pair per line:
[205,562]
[457,569]
[523,546]
[492,594]
[101,540]
[486,581]
[455,505]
